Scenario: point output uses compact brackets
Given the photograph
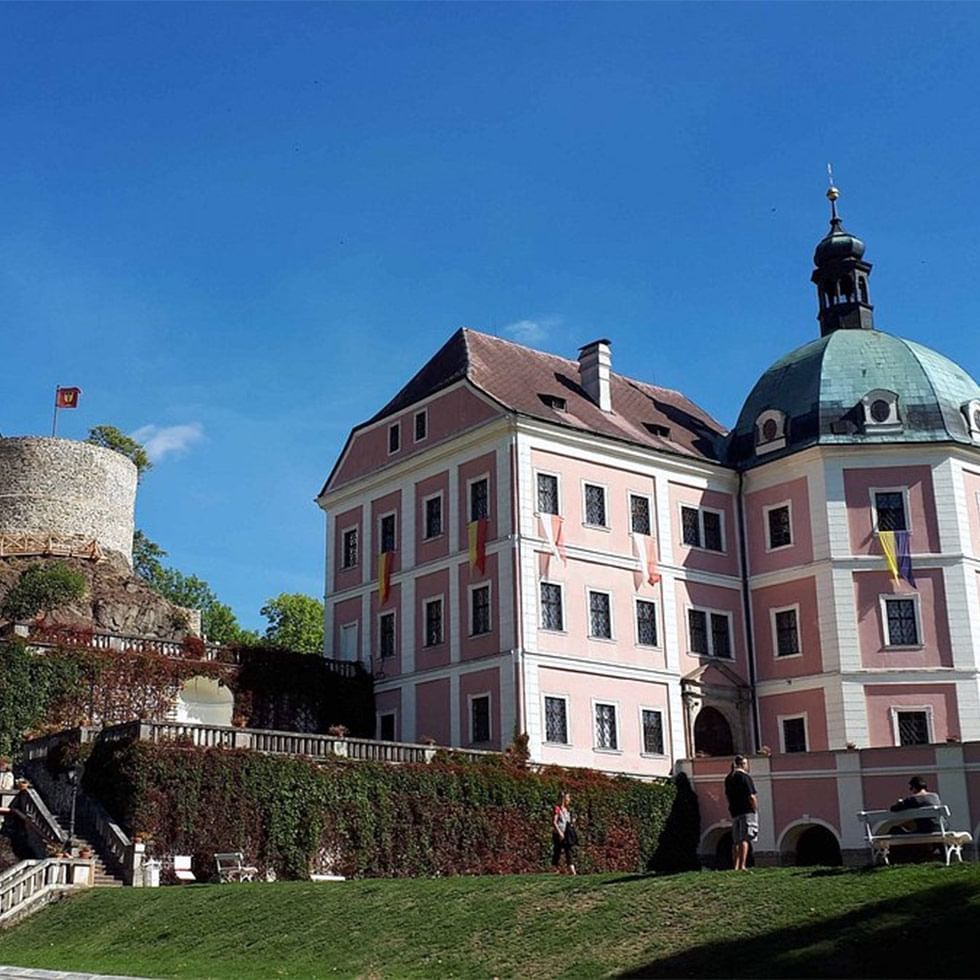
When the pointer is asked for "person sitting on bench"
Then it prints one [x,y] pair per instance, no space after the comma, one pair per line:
[920,797]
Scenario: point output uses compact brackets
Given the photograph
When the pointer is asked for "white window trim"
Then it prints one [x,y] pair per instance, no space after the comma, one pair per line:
[558,491]
[795,607]
[381,517]
[564,623]
[701,511]
[709,612]
[904,491]
[605,505]
[968,411]
[896,709]
[612,615]
[637,599]
[442,516]
[469,500]
[614,704]
[916,601]
[762,446]
[386,714]
[425,413]
[344,531]
[470,698]
[650,511]
[770,548]
[426,602]
[663,732]
[396,425]
[485,584]
[394,633]
[356,624]
[544,720]
[782,734]
[894,421]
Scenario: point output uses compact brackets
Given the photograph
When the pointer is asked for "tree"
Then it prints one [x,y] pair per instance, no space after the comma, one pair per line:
[218,622]
[295,622]
[109,437]
[146,557]
[42,589]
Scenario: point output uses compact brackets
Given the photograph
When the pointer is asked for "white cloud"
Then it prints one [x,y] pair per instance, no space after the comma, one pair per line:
[531,331]
[160,441]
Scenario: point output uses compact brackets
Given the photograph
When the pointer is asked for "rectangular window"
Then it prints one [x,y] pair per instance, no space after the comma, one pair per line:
[639,514]
[646,623]
[547,493]
[433,622]
[653,732]
[433,517]
[710,633]
[479,499]
[702,529]
[348,642]
[595,505]
[913,727]
[386,635]
[480,610]
[421,425]
[794,734]
[556,720]
[780,529]
[350,548]
[606,736]
[552,614]
[387,535]
[394,438]
[386,728]
[480,718]
[787,633]
[890,511]
[902,628]
[600,622]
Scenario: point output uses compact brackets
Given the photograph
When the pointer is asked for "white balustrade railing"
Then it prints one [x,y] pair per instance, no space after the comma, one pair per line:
[29,884]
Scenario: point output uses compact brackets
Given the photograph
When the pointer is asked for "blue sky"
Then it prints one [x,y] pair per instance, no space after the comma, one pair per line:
[240,228]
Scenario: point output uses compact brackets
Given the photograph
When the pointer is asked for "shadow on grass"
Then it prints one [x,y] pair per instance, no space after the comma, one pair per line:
[929,934]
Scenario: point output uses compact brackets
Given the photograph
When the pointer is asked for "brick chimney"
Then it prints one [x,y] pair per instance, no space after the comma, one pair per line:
[594,361]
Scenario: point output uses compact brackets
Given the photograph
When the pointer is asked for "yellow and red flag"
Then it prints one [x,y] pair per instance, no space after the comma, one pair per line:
[66,397]
[554,533]
[384,576]
[477,534]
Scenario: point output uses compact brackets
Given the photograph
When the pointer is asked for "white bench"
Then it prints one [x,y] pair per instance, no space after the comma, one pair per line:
[881,837]
[182,868]
[232,867]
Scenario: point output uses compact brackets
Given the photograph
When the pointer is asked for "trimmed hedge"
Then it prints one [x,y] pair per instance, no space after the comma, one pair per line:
[294,816]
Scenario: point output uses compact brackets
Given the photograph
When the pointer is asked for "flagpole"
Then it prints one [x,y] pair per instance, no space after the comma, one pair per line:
[54,421]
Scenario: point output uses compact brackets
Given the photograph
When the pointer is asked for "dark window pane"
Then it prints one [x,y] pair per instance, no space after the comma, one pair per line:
[433,517]
[605,727]
[481,610]
[780,532]
[555,721]
[653,732]
[599,622]
[787,633]
[479,500]
[387,728]
[794,734]
[902,628]
[890,509]
[913,728]
[712,530]
[394,438]
[721,643]
[646,624]
[595,505]
[433,623]
[421,426]
[691,527]
[698,625]
[552,617]
[547,494]
[639,514]
[386,635]
[480,716]
[350,548]
[388,533]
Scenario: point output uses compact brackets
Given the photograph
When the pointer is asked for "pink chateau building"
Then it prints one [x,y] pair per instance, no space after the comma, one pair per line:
[518,542]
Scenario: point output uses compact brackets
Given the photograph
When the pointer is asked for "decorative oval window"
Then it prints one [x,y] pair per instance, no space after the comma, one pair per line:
[770,430]
[976,419]
[880,410]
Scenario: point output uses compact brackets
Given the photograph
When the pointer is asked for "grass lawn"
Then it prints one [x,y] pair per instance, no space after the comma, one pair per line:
[907,921]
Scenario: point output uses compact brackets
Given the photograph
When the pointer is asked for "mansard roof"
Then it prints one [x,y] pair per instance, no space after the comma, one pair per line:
[536,384]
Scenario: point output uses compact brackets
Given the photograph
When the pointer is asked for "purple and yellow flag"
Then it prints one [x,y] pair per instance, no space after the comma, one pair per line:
[897,549]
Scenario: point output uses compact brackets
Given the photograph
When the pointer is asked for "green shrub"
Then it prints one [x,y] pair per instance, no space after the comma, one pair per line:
[42,589]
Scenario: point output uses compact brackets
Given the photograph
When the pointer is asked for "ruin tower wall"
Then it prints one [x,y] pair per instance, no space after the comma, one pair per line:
[68,489]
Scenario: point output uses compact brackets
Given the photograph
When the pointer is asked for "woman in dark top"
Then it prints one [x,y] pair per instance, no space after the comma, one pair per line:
[563,835]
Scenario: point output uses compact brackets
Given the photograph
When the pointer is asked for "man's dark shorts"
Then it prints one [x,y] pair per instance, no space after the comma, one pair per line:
[745,827]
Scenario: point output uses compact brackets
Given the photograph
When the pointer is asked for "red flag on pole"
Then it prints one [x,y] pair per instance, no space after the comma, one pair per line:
[67,397]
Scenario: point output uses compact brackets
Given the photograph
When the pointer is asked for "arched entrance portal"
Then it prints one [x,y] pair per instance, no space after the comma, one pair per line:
[203,701]
[712,733]
[817,845]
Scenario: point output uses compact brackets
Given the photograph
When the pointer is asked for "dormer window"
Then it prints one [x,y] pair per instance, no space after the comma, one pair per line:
[554,401]
[770,431]
[880,409]
[971,412]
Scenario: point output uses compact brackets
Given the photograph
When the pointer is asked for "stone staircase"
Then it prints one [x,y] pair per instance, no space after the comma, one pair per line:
[103,877]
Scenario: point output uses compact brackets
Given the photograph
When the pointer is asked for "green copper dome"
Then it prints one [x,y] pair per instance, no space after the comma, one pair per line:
[854,387]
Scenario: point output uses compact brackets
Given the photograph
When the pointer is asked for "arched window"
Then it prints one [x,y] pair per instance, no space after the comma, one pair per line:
[881,412]
[971,413]
[770,431]
[712,733]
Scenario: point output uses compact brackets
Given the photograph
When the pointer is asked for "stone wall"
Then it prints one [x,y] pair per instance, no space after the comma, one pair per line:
[67,488]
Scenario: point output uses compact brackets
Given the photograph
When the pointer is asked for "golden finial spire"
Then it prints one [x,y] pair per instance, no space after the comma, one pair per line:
[832,193]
